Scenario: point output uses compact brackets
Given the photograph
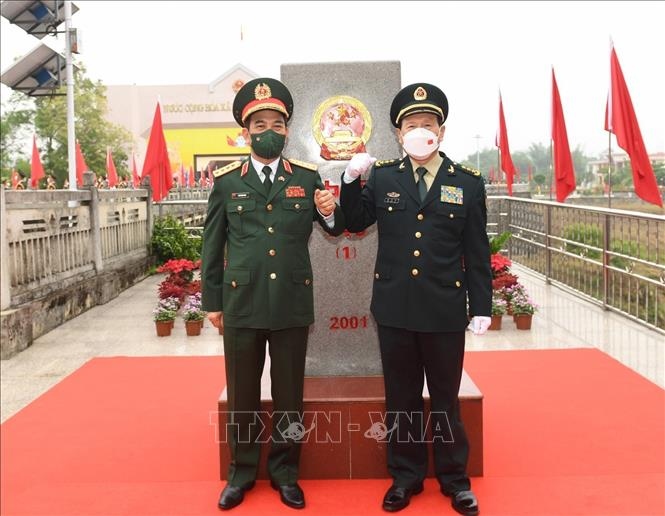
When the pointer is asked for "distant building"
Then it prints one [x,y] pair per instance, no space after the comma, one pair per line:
[620,162]
[197,118]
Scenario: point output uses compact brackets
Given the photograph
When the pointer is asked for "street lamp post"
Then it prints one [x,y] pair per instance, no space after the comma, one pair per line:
[477,137]
[71,131]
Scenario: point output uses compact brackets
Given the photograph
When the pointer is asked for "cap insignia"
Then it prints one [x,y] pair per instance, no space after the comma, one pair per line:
[420,93]
[262,91]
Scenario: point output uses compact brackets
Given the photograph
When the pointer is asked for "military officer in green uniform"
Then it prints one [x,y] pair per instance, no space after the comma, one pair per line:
[433,262]
[257,284]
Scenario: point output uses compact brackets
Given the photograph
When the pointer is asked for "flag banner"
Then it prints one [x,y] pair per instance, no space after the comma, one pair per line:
[111,172]
[157,164]
[564,171]
[620,120]
[16,179]
[36,168]
[504,149]
[136,180]
[81,166]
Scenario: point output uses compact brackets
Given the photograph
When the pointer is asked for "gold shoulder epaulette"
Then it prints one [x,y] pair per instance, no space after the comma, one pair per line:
[385,162]
[218,172]
[303,164]
[468,170]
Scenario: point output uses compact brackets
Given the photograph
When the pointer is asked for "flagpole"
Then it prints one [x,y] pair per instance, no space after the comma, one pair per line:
[498,165]
[551,169]
[609,170]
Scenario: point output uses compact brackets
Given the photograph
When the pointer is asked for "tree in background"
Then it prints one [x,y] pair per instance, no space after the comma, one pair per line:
[47,116]
[537,157]
[14,126]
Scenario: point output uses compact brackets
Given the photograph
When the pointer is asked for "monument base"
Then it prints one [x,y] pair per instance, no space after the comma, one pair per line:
[342,425]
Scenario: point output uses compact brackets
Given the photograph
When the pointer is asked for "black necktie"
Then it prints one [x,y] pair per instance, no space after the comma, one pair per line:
[268,183]
[422,186]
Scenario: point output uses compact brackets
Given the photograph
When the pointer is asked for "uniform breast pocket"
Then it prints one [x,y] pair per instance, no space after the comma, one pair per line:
[450,217]
[242,217]
[297,215]
[389,213]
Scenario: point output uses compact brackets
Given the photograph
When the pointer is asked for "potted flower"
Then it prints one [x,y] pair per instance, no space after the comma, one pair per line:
[498,310]
[164,315]
[523,309]
[193,315]
[181,268]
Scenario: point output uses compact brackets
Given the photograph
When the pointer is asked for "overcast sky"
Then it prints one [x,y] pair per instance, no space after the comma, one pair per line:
[469,49]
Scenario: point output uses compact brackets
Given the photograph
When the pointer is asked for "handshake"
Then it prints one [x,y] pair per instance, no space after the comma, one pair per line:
[358,165]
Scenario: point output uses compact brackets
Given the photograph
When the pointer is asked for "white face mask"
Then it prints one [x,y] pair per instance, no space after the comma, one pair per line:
[420,143]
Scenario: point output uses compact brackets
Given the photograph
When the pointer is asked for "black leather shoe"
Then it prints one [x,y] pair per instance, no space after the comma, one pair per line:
[291,495]
[399,497]
[464,502]
[233,495]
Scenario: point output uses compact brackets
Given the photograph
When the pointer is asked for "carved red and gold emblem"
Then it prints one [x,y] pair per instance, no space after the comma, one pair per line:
[237,84]
[342,126]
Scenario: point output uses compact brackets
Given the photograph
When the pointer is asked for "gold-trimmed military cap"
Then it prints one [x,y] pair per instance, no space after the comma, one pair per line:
[262,93]
[419,98]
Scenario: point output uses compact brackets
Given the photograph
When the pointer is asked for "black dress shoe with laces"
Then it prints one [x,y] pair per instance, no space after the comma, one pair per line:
[464,502]
[290,494]
[399,497]
[233,495]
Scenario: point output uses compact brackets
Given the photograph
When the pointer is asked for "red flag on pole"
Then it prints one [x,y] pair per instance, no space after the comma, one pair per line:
[620,119]
[111,172]
[564,171]
[36,168]
[80,165]
[16,178]
[190,177]
[136,180]
[504,149]
[209,177]
[157,164]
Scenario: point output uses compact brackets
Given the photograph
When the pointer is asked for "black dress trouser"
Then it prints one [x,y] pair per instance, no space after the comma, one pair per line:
[407,357]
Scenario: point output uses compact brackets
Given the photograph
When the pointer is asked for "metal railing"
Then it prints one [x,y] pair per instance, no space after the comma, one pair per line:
[612,257]
[615,258]
[52,237]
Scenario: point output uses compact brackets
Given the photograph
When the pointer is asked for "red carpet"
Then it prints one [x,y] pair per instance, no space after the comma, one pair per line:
[566,432]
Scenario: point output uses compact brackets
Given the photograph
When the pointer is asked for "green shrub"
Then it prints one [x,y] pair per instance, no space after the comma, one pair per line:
[588,234]
[170,240]
[497,242]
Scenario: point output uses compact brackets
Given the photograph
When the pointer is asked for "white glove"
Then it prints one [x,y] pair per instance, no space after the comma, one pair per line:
[358,165]
[479,324]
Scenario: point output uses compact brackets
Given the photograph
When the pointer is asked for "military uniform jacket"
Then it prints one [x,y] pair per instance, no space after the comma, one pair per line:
[267,281]
[430,256]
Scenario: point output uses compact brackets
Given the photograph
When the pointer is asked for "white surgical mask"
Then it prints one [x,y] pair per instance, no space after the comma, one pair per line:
[420,143]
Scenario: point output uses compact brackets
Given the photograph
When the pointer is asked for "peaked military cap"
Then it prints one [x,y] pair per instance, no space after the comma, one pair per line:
[262,93]
[419,98]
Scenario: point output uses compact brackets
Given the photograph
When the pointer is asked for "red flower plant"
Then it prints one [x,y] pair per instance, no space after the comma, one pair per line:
[178,266]
[175,289]
[499,263]
[504,280]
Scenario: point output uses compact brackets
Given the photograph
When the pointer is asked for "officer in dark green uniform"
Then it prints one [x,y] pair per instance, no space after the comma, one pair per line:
[260,290]
[433,252]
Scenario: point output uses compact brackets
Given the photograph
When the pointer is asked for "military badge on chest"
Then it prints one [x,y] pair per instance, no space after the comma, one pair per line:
[392,198]
[452,194]
[294,191]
